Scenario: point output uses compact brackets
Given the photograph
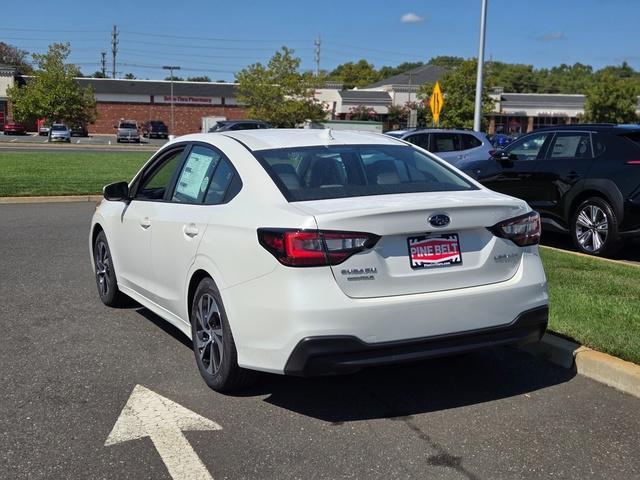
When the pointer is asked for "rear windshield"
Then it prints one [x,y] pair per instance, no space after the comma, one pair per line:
[131,126]
[57,128]
[633,136]
[317,173]
[157,123]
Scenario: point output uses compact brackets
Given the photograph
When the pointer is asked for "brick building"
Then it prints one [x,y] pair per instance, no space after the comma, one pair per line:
[144,100]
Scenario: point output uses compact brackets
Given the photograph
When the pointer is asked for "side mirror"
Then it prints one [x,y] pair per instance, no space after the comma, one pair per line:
[501,155]
[116,192]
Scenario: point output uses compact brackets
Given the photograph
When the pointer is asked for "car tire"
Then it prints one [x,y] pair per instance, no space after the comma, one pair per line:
[106,279]
[594,228]
[213,343]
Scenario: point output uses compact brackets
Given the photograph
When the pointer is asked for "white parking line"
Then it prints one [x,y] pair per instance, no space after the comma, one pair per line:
[77,141]
[14,140]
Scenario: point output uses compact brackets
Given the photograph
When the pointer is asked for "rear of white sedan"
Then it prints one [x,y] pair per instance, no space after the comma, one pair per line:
[336,251]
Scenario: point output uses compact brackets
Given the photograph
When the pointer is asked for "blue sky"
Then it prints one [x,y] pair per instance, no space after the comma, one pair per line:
[219,38]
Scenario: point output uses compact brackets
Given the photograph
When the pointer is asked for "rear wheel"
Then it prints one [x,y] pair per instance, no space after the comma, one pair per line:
[594,228]
[213,343]
[106,280]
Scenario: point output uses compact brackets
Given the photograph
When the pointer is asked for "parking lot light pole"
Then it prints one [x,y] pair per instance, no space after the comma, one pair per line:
[477,117]
[171,68]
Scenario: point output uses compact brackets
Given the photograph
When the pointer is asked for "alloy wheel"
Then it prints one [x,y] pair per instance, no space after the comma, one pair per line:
[103,267]
[209,339]
[592,228]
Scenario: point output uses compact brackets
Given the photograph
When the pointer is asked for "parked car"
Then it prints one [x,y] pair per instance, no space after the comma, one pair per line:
[307,252]
[155,129]
[456,146]
[229,125]
[79,130]
[583,179]
[127,131]
[500,140]
[14,128]
[59,132]
[43,130]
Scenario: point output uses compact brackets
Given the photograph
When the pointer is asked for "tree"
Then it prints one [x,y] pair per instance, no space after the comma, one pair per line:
[611,100]
[98,74]
[362,112]
[357,74]
[278,93]
[203,78]
[10,55]
[458,87]
[129,76]
[446,61]
[174,78]
[53,93]
[387,71]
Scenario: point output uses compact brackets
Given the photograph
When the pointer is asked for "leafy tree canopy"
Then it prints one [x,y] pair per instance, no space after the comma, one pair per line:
[459,103]
[612,100]
[203,78]
[278,92]
[53,93]
[10,55]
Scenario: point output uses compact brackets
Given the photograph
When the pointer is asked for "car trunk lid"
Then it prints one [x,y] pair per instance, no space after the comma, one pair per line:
[402,222]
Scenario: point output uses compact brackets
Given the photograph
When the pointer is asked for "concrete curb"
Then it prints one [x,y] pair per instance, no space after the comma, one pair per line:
[584,255]
[51,199]
[604,368]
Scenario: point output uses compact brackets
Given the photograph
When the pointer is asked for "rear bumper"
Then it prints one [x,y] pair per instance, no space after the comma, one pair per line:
[346,354]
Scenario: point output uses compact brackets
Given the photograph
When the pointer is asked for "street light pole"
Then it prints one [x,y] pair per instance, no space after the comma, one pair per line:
[171,68]
[477,117]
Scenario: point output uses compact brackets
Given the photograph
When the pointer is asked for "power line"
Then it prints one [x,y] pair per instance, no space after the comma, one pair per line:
[212,39]
[210,47]
[44,30]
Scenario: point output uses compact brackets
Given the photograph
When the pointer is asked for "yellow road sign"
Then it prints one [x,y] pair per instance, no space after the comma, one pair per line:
[436,101]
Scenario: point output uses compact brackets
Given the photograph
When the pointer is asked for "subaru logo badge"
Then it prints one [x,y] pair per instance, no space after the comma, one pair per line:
[439,220]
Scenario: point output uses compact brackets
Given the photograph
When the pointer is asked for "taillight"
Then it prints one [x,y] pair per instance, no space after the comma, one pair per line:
[523,230]
[312,248]
[633,162]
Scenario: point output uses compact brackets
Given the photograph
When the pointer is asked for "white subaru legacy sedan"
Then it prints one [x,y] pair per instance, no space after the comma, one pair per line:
[311,252]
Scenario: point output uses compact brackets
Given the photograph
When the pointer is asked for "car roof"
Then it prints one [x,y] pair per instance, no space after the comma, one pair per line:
[433,130]
[595,127]
[273,138]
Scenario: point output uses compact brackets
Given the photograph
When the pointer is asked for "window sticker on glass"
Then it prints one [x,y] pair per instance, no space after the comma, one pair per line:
[194,177]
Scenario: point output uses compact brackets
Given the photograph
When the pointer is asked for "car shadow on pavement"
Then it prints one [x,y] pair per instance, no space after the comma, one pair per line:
[401,391]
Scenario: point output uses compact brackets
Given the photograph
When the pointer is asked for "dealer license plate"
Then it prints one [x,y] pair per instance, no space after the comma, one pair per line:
[428,251]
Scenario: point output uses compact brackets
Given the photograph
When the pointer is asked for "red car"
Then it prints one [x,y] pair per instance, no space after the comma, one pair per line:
[14,128]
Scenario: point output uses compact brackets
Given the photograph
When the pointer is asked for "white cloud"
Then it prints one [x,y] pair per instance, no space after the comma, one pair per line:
[552,37]
[411,18]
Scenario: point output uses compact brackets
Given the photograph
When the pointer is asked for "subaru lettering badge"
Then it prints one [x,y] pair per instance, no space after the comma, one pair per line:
[439,220]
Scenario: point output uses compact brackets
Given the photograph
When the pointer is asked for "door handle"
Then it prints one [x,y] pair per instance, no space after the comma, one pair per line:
[145,222]
[191,230]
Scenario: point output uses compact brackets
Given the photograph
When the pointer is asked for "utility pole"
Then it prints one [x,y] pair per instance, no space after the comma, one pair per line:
[103,63]
[317,55]
[477,117]
[171,68]
[114,49]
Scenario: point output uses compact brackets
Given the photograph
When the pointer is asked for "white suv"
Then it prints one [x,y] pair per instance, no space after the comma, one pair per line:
[456,146]
[309,252]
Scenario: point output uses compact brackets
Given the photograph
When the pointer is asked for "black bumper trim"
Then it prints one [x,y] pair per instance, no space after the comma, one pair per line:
[338,354]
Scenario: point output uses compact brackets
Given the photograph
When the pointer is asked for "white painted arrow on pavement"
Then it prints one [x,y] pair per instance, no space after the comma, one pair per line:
[148,414]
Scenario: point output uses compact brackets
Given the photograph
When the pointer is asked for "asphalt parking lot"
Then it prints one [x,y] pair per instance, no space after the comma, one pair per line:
[69,366]
[93,140]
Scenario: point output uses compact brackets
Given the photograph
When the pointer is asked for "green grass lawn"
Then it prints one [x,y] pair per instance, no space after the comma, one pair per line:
[65,173]
[595,302]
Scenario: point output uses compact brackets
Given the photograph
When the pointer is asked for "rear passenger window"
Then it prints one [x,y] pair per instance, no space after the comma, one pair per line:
[469,141]
[445,142]
[571,145]
[195,175]
[419,139]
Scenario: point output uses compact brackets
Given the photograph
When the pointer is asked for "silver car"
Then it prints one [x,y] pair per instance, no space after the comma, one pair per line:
[59,133]
[127,131]
[456,146]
